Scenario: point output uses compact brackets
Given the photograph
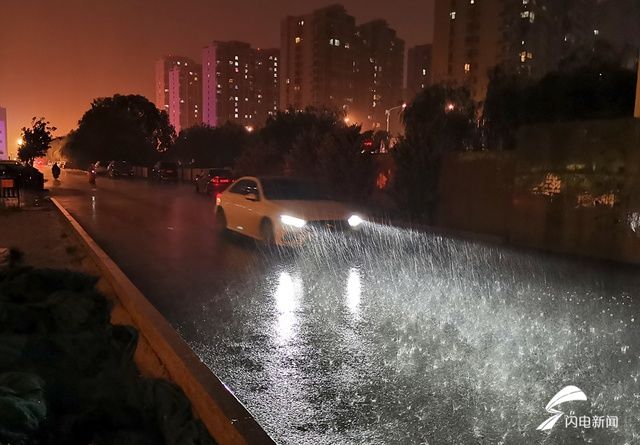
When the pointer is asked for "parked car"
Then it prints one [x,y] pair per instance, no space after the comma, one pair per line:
[216,180]
[100,167]
[164,171]
[120,168]
[280,210]
[25,175]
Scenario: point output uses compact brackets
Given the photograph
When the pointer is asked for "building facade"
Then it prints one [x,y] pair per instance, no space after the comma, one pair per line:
[239,84]
[163,68]
[379,75]
[531,37]
[185,96]
[266,84]
[319,60]
[418,70]
[4,144]
[329,62]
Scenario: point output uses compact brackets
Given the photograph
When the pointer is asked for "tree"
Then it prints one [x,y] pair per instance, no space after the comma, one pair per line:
[267,155]
[441,119]
[335,158]
[35,140]
[128,128]
[207,146]
[590,84]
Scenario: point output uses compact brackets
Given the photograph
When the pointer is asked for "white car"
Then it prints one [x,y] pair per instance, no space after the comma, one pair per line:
[280,210]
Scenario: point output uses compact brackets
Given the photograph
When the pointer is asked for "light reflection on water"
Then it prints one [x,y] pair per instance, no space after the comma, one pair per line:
[402,337]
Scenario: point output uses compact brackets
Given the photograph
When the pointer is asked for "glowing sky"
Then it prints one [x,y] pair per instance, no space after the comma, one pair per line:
[56,56]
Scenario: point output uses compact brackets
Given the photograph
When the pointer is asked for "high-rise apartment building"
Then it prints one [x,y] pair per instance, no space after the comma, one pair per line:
[4,145]
[329,62]
[527,36]
[240,84]
[318,59]
[379,76]
[185,96]
[266,83]
[163,67]
[418,69]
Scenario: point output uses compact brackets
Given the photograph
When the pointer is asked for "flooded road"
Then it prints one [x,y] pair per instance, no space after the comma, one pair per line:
[393,337]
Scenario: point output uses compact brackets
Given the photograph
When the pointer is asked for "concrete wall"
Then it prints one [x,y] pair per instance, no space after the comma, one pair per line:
[571,187]
[477,184]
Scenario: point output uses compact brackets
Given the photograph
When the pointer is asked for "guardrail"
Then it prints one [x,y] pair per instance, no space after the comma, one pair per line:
[226,418]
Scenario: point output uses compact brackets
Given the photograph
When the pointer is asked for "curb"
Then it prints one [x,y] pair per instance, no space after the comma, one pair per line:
[225,417]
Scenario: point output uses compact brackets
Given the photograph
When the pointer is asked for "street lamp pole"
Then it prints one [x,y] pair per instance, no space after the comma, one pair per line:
[388,113]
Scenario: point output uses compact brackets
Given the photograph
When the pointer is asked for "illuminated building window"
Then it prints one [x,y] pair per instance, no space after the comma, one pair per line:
[467,67]
[596,32]
[452,14]
[298,39]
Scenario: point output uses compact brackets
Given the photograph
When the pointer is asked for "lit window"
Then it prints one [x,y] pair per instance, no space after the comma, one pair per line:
[467,67]
[298,39]
[424,72]
[596,32]
[452,14]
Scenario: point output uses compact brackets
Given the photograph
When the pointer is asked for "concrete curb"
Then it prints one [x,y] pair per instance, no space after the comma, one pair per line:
[227,420]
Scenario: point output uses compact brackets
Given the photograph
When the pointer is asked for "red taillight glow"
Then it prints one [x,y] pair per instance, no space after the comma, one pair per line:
[217,199]
[218,180]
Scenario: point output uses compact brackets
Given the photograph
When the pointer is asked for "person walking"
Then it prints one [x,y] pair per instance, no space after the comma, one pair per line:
[55,170]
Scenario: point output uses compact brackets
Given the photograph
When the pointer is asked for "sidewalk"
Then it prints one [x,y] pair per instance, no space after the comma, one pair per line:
[42,236]
[61,332]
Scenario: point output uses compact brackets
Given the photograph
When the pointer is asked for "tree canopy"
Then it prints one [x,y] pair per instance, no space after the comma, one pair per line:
[36,140]
[590,84]
[206,146]
[441,119]
[121,127]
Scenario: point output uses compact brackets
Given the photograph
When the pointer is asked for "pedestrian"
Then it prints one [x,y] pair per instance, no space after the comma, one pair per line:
[55,170]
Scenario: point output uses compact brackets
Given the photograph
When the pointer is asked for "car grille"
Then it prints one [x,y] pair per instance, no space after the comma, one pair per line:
[333,225]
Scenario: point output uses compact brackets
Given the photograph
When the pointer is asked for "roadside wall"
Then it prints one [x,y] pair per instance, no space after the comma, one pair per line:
[570,187]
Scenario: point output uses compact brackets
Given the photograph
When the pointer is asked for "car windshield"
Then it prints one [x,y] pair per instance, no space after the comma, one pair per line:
[293,189]
[220,172]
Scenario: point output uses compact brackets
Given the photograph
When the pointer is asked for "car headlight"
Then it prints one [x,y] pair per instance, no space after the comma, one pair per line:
[292,221]
[355,220]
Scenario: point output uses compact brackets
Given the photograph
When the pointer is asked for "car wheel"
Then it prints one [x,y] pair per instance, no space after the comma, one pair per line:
[221,221]
[266,232]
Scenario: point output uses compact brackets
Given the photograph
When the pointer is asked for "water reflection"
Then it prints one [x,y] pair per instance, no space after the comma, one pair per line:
[354,290]
[287,298]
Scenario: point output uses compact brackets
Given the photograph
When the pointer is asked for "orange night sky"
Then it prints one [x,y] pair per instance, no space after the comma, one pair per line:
[56,56]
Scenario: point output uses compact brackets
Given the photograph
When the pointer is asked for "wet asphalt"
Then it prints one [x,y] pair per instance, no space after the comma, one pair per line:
[394,337]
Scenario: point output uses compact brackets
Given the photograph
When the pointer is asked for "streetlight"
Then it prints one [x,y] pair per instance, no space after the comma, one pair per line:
[346,120]
[388,113]
[20,142]
[249,128]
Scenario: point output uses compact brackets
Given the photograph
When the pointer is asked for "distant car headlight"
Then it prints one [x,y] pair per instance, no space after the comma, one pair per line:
[293,221]
[355,220]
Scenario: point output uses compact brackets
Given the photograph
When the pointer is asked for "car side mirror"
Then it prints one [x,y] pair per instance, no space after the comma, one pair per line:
[251,197]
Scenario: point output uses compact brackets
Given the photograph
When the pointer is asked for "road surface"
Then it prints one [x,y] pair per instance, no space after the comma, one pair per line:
[401,337]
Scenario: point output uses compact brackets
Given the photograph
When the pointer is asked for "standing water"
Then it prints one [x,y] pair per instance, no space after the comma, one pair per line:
[400,337]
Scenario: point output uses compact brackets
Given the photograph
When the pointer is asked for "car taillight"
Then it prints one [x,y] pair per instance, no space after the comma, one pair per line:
[217,199]
[218,180]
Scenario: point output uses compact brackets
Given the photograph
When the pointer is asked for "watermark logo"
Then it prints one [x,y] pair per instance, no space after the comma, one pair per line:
[566,394]
[573,394]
